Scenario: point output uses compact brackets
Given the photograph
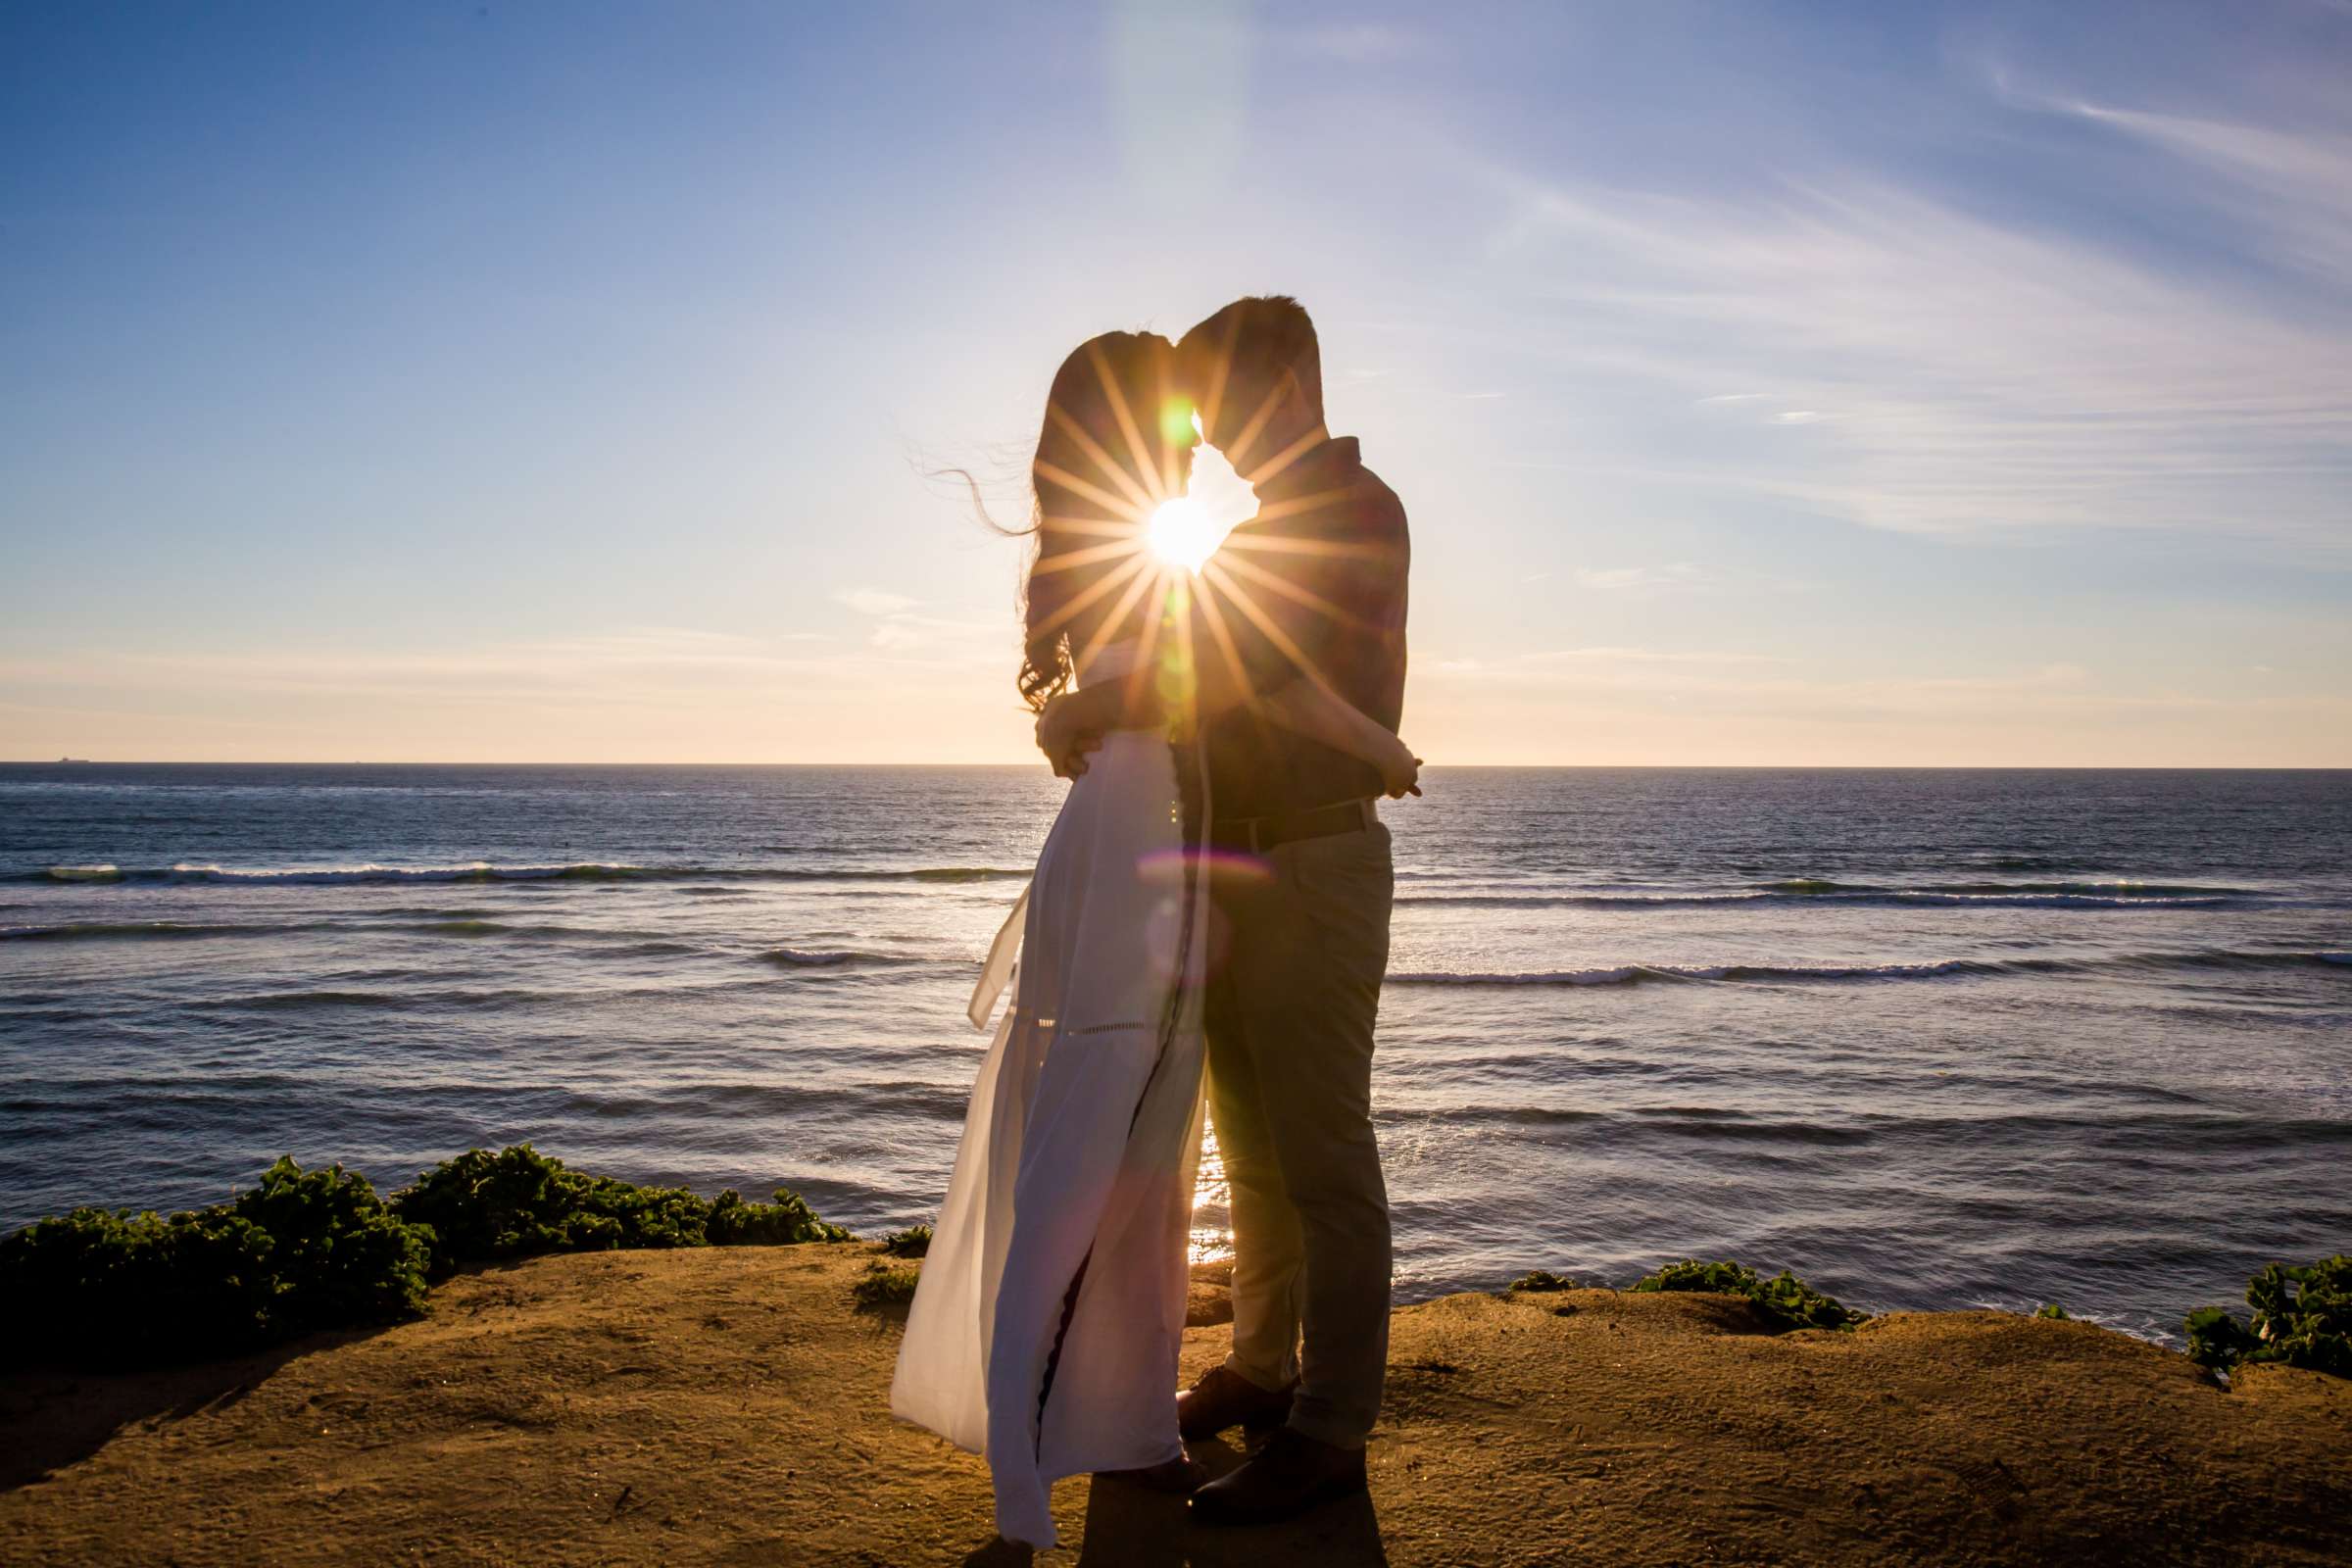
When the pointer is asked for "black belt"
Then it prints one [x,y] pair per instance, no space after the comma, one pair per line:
[1260,834]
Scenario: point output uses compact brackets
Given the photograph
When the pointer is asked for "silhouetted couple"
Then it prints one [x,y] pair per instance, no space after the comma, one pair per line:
[1215,890]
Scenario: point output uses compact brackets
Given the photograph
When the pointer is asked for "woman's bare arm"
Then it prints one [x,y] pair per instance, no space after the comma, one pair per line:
[1073,723]
[1313,710]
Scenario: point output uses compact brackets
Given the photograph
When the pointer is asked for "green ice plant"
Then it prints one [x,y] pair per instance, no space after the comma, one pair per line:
[1783,1301]
[2302,1317]
[517,1202]
[1543,1278]
[883,1286]
[786,1222]
[912,1242]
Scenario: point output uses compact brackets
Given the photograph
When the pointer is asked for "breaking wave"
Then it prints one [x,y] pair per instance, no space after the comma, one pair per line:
[1688,974]
[833,958]
[133,930]
[1803,890]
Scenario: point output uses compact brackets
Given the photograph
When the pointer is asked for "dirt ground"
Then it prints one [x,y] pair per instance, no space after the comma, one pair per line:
[726,1407]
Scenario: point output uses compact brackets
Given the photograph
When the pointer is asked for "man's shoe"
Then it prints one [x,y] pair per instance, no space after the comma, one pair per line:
[1221,1398]
[1291,1474]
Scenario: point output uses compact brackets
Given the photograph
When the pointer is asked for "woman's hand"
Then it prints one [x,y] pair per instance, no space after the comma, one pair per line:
[1399,771]
[1062,736]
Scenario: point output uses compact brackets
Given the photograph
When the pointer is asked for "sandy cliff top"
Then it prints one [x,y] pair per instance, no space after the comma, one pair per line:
[726,1406]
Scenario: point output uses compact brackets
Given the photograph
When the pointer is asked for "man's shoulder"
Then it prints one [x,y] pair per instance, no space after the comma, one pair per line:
[1337,498]
[1377,494]
[1379,511]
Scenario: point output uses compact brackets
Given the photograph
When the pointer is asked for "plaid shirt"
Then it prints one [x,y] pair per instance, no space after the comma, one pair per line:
[1319,575]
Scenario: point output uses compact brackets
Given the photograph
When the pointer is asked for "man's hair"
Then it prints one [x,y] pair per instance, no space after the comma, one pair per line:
[1245,348]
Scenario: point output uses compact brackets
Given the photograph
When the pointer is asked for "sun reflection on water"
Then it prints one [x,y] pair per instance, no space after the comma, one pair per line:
[1211,1238]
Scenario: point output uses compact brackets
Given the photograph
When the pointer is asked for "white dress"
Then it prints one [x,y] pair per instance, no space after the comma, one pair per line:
[1046,1327]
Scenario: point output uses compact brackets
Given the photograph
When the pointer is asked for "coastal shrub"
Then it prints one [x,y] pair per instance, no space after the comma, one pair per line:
[786,1222]
[517,1202]
[299,1251]
[882,1287]
[338,1254]
[2054,1312]
[912,1242]
[1783,1301]
[2218,1340]
[2302,1317]
[1543,1278]
[309,1249]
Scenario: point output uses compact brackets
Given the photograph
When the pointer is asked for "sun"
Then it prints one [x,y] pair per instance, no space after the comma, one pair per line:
[1181,533]
[1185,530]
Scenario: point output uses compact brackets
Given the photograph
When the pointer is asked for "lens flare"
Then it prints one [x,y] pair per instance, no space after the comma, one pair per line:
[1186,530]
[1182,533]
[1174,549]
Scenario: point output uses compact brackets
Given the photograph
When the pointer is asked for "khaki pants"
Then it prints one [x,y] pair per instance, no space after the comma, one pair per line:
[1289,1018]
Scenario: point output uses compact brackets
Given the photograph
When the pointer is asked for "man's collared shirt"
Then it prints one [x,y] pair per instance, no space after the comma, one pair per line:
[1325,562]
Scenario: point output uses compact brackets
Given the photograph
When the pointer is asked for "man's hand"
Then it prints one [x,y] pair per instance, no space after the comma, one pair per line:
[1399,771]
[1062,740]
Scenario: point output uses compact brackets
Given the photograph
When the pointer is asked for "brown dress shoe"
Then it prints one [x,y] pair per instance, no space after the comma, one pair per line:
[1291,1474]
[1220,1398]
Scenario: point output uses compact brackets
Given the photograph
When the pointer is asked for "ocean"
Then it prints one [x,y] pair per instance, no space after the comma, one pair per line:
[1930,1038]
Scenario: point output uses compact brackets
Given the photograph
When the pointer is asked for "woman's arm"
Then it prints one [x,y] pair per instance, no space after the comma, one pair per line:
[1073,724]
[1319,713]
[1076,721]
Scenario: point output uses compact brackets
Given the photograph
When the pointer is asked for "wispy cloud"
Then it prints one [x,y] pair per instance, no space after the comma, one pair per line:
[900,631]
[618,668]
[1606,654]
[1639,579]
[874,602]
[2288,191]
[1638,704]
[1763,684]
[643,694]
[625,667]
[940,635]
[1967,372]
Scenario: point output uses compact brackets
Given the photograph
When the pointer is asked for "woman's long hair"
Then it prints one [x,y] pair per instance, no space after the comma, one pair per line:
[1115,444]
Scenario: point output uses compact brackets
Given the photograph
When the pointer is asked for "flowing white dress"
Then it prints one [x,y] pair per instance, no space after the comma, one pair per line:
[1046,1327]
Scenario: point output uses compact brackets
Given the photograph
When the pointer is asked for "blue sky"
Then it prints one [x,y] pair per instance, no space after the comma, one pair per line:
[1838,384]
